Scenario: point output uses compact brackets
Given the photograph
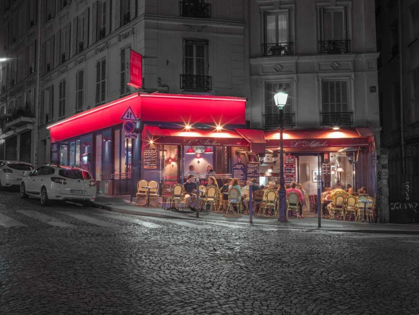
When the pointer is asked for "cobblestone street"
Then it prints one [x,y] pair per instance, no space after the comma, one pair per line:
[68,259]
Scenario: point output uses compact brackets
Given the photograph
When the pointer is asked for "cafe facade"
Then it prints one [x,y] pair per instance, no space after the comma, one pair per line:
[167,134]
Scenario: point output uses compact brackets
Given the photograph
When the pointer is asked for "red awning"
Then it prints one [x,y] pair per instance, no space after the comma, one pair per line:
[194,137]
[256,139]
[317,140]
[156,107]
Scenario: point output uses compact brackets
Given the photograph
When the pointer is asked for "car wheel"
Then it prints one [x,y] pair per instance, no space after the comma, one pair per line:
[44,197]
[87,204]
[23,193]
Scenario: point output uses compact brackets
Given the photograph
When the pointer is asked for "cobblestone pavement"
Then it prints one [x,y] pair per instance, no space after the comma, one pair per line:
[66,259]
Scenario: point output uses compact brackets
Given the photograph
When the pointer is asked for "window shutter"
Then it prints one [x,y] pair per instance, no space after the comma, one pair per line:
[117,14]
[51,103]
[94,22]
[345,102]
[97,82]
[74,37]
[86,28]
[132,7]
[108,17]
[122,86]
[103,94]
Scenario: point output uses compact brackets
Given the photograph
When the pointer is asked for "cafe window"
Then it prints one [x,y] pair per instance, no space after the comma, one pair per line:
[117,151]
[335,96]
[63,154]
[98,157]
[72,153]
[271,88]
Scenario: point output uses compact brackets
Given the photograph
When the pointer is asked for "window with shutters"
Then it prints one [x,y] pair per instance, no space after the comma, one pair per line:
[336,107]
[31,58]
[271,112]
[46,110]
[33,12]
[49,51]
[334,31]
[79,90]
[195,65]
[29,102]
[49,10]
[64,48]
[277,34]
[100,81]
[125,54]
[125,11]
[61,99]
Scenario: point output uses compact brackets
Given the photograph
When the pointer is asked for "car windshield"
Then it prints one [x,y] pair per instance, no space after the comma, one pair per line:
[75,174]
[20,167]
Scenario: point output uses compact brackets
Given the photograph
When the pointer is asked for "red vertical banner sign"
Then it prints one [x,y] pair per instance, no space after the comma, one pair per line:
[290,169]
[136,69]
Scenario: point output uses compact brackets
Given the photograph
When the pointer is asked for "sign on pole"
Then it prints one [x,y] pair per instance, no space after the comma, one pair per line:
[129,115]
[129,126]
[136,69]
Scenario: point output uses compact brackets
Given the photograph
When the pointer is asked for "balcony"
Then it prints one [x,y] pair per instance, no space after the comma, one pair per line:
[334,47]
[341,119]
[272,121]
[195,10]
[278,49]
[195,82]
[18,118]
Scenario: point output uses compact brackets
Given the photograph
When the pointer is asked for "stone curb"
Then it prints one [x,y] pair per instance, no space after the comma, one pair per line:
[308,228]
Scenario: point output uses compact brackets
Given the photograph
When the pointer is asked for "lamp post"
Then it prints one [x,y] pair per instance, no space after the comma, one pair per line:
[280,101]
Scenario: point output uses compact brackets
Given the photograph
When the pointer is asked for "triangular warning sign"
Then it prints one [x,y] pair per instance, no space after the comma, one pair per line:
[128,115]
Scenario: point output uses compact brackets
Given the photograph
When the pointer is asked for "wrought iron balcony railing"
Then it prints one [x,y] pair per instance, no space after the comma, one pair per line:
[272,121]
[334,47]
[278,49]
[340,119]
[196,10]
[195,82]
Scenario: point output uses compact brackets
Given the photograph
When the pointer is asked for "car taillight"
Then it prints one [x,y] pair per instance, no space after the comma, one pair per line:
[92,183]
[59,180]
[6,170]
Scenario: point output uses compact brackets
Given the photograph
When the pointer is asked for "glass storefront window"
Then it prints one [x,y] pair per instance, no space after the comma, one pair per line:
[63,154]
[77,162]
[98,161]
[72,153]
[117,151]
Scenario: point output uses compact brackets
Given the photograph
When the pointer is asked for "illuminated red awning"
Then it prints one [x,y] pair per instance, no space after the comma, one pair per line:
[193,137]
[170,108]
[315,140]
[256,139]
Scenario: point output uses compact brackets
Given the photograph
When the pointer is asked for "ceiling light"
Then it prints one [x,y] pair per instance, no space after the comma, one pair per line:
[208,150]
[190,151]
[219,128]
[336,128]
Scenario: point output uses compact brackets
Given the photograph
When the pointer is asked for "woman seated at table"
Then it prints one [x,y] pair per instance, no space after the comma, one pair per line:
[235,184]
[212,182]
[190,189]
[245,194]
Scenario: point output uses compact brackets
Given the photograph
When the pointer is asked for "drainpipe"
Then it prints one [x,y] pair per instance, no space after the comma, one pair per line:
[38,88]
[401,89]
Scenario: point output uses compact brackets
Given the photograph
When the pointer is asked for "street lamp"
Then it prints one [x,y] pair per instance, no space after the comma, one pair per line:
[280,101]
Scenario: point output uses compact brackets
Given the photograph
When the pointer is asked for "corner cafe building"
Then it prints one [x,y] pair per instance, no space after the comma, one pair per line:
[173,132]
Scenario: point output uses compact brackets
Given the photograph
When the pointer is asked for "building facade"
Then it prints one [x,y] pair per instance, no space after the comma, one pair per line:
[398,43]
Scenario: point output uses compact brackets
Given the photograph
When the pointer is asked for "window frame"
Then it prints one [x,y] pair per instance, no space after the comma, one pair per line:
[79,90]
[124,72]
[347,7]
[205,43]
[265,29]
[62,94]
[350,96]
[100,81]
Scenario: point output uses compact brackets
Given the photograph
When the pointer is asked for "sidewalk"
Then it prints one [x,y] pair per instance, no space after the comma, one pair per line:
[123,205]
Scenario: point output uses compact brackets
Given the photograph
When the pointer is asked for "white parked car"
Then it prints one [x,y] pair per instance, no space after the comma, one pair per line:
[11,172]
[54,182]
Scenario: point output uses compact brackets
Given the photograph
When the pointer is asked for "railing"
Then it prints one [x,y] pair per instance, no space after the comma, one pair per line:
[197,10]
[127,17]
[272,121]
[278,49]
[334,47]
[195,82]
[340,119]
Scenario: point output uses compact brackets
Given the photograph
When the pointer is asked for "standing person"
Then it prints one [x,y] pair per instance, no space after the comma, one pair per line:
[190,188]
[300,196]
[255,185]
[306,202]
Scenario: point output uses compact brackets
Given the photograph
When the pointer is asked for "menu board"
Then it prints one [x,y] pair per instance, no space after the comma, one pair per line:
[253,171]
[239,171]
[150,159]
[290,169]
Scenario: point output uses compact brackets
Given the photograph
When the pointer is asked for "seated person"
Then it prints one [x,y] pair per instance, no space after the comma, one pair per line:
[224,191]
[300,197]
[212,182]
[338,185]
[190,189]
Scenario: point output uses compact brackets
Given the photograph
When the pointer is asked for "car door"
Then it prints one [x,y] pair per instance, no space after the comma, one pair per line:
[43,178]
[33,179]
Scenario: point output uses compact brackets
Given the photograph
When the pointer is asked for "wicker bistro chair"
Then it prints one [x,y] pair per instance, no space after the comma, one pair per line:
[292,203]
[245,199]
[211,197]
[269,201]
[178,195]
[350,207]
[337,206]
[141,195]
[166,193]
[153,194]
[222,202]
[233,199]
[370,209]
[257,202]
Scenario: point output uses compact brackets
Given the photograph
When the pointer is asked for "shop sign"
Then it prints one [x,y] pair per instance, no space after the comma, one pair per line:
[136,69]
[326,168]
[290,171]
[239,171]
[129,126]
[201,142]
[252,170]
[309,144]
[150,159]
[131,136]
